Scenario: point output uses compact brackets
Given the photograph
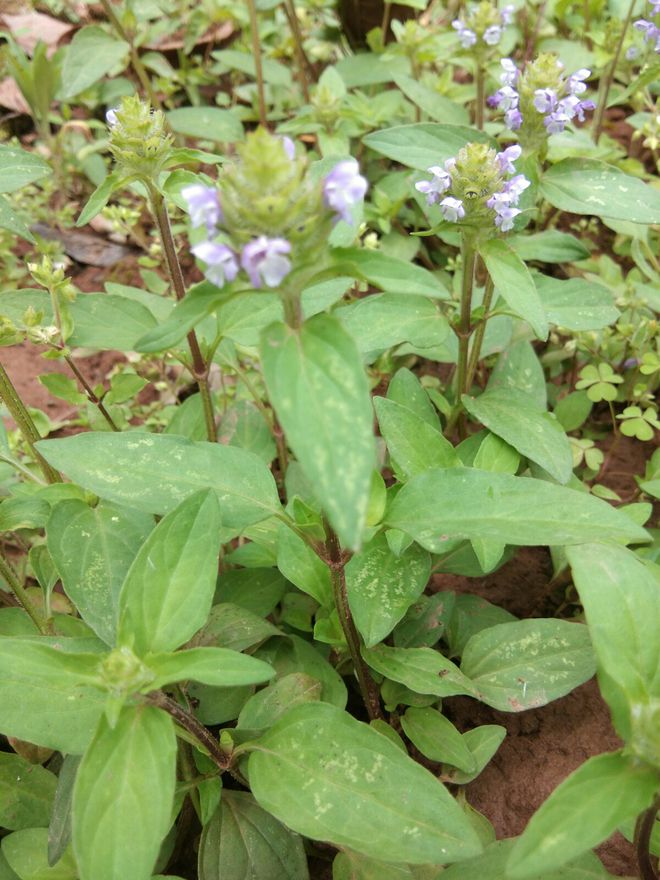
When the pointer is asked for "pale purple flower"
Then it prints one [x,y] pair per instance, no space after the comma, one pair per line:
[513,118]
[629,363]
[651,32]
[221,261]
[433,189]
[505,217]
[265,260]
[508,98]
[515,187]
[556,122]
[203,206]
[344,187]
[111,117]
[466,36]
[507,157]
[510,72]
[452,209]
[582,106]
[655,7]
[545,100]
[492,35]
[289,146]
[631,53]
[506,13]
[575,83]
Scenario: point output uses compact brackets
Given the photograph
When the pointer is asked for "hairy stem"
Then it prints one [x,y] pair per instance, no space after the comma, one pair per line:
[643,830]
[89,392]
[258,66]
[368,687]
[479,334]
[481,96]
[136,63]
[305,72]
[44,626]
[463,331]
[387,15]
[189,723]
[609,78]
[18,411]
[200,368]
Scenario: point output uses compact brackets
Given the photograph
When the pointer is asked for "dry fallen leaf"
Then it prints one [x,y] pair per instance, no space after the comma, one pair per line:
[11,97]
[30,27]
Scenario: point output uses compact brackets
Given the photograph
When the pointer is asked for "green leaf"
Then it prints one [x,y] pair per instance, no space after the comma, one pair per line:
[514,283]
[423,624]
[199,302]
[528,663]
[258,590]
[576,304]
[99,198]
[582,812]
[437,738]
[587,186]
[274,72]
[440,505]
[219,667]
[423,670]
[389,273]
[514,417]
[268,705]
[59,830]
[423,145]
[319,390]
[18,168]
[124,791]
[27,792]
[91,54]
[406,390]
[301,565]
[93,548]
[413,444]
[242,840]
[294,654]
[464,615]
[518,367]
[482,742]
[206,123]
[437,106]
[549,246]
[361,792]
[350,865]
[381,586]
[104,321]
[159,609]
[47,695]
[492,865]
[233,627]
[155,472]
[26,853]
[381,321]
[10,220]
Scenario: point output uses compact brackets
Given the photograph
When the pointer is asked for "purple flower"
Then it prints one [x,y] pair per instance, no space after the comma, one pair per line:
[513,119]
[630,363]
[111,117]
[492,35]
[505,217]
[556,122]
[510,72]
[289,146]
[221,262]
[452,209]
[581,107]
[506,13]
[344,187]
[651,32]
[466,36]
[631,53]
[433,188]
[264,260]
[515,187]
[507,157]
[545,100]
[203,206]
[575,83]
[509,98]
[655,7]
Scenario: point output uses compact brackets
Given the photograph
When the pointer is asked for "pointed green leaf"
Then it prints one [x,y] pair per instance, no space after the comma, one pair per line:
[390,273]
[168,591]
[437,738]
[440,505]
[242,840]
[89,56]
[423,145]
[319,389]
[123,796]
[413,444]
[10,220]
[576,304]
[99,198]
[219,667]
[93,548]
[155,472]
[582,812]
[27,792]
[269,704]
[527,663]
[423,670]
[18,168]
[26,855]
[332,778]
[514,283]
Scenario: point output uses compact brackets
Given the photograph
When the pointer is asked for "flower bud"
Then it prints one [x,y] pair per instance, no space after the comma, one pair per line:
[139,141]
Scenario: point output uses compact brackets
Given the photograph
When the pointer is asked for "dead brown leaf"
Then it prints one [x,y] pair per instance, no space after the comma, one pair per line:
[29,28]
[11,97]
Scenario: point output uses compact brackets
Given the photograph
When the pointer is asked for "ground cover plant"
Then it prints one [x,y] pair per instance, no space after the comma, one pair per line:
[376,315]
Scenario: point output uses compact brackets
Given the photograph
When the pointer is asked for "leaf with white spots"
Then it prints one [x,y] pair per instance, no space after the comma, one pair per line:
[423,670]
[333,778]
[155,472]
[588,186]
[528,663]
[318,387]
[381,586]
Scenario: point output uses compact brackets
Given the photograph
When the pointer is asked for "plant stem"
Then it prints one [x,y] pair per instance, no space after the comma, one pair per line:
[586,12]
[89,392]
[463,331]
[136,63]
[258,66]
[192,725]
[368,687]
[200,368]
[269,418]
[304,67]
[43,625]
[479,334]
[385,24]
[643,830]
[481,97]
[609,78]
[18,411]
